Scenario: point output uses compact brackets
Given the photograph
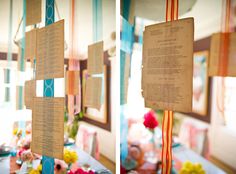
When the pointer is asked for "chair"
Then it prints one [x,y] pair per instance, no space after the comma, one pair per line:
[195,137]
[86,139]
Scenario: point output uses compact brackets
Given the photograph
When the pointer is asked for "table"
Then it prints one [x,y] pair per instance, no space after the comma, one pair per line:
[84,158]
[183,154]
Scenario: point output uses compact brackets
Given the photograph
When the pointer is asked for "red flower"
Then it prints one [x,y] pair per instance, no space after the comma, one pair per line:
[150,120]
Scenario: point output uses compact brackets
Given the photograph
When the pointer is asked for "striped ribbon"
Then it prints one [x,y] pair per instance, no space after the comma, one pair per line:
[167,123]
[48,91]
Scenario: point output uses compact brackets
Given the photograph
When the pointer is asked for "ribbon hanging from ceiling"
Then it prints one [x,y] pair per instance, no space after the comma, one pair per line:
[126,45]
[48,87]
[97,20]
[226,28]
[21,71]
[74,102]
[167,123]
[7,71]
[21,63]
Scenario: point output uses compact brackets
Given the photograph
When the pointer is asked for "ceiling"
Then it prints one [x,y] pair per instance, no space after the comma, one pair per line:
[83,23]
[206,13]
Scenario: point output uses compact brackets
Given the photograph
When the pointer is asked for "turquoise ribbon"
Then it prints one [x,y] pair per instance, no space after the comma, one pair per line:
[125,48]
[126,9]
[48,91]
[9,57]
[21,62]
[122,78]
[127,37]
[97,20]
[123,134]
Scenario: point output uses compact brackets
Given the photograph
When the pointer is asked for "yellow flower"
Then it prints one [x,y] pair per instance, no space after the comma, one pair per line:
[15,131]
[190,168]
[70,156]
[39,168]
[34,171]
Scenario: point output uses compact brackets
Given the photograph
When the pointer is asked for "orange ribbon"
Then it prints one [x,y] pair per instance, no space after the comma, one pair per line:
[224,40]
[167,123]
[226,28]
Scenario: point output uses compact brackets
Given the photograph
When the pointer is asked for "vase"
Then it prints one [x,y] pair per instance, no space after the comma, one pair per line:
[69,167]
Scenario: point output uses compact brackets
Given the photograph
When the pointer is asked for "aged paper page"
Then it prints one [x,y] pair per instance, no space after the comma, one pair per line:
[30,45]
[95,58]
[48,127]
[30,93]
[72,82]
[215,55]
[126,77]
[93,92]
[33,12]
[50,51]
[168,65]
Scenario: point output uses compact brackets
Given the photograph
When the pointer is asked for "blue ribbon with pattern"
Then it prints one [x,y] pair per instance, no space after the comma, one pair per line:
[48,87]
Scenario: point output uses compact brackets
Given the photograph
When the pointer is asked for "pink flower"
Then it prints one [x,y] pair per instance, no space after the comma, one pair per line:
[20,152]
[60,166]
[81,171]
[150,120]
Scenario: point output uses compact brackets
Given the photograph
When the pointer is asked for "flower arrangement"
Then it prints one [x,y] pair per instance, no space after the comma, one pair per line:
[150,120]
[70,156]
[189,168]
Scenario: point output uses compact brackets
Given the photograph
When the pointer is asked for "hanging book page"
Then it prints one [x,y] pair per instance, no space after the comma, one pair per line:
[72,82]
[168,65]
[30,93]
[95,58]
[218,56]
[93,92]
[50,51]
[30,45]
[33,12]
[48,127]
